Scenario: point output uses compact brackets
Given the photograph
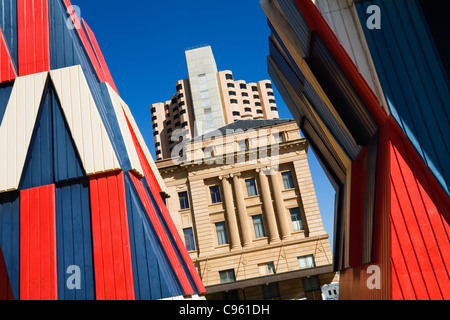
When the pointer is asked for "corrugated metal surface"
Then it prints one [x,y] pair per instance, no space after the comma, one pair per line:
[341,93]
[99,55]
[414,81]
[154,277]
[5,94]
[8,25]
[163,236]
[5,287]
[342,18]
[17,128]
[10,244]
[317,23]
[38,279]
[52,155]
[7,70]
[74,240]
[151,172]
[131,150]
[420,225]
[33,36]
[85,42]
[297,23]
[113,269]
[88,131]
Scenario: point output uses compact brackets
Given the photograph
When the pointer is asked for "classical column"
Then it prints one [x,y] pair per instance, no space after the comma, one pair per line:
[268,207]
[279,205]
[230,214]
[242,210]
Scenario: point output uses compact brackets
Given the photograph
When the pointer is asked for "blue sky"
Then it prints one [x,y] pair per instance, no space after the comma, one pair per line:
[143,42]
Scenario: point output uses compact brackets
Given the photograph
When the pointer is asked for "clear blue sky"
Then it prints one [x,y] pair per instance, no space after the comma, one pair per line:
[143,42]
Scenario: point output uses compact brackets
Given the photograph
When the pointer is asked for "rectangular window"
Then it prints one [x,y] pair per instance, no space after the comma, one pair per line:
[306,262]
[227,276]
[296,218]
[271,290]
[233,101]
[259,226]
[179,87]
[215,194]
[236,113]
[310,284]
[189,239]
[184,200]
[251,187]
[268,85]
[243,145]
[229,76]
[221,233]
[287,180]
[231,93]
[230,85]
[266,268]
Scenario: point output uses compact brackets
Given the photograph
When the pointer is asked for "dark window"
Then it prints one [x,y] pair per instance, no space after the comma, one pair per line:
[155,125]
[169,130]
[243,86]
[189,239]
[296,218]
[268,85]
[246,102]
[154,118]
[153,110]
[180,96]
[168,123]
[272,101]
[167,106]
[311,283]
[233,101]
[251,187]
[158,152]
[221,233]
[258,225]
[236,113]
[174,100]
[158,144]
[183,111]
[177,124]
[248,109]
[273,108]
[229,76]
[184,200]
[254,88]
[259,111]
[230,295]
[232,93]
[258,104]
[175,109]
[215,194]
[287,180]
[271,290]
[270,93]
[244,94]
[179,87]
[176,116]
[227,276]
[155,133]
[230,85]
[182,103]
[184,124]
[256,96]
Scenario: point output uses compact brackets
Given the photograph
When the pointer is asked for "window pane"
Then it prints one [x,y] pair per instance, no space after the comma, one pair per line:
[251,187]
[215,194]
[306,262]
[287,180]
[221,233]
[184,201]
[271,290]
[259,226]
[227,276]
[189,239]
[311,283]
[296,218]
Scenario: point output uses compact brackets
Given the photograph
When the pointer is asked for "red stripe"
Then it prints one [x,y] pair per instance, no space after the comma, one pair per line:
[38,244]
[100,57]
[86,44]
[163,238]
[155,189]
[111,240]
[316,22]
[33,37]
[7,70]
[420,218]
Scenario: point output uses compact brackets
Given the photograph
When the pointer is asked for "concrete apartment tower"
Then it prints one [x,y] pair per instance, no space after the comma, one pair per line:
[242,196]
[207,100]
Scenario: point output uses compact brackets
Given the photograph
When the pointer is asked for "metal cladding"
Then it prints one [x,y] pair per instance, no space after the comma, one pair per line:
[387,163]
[82,215]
